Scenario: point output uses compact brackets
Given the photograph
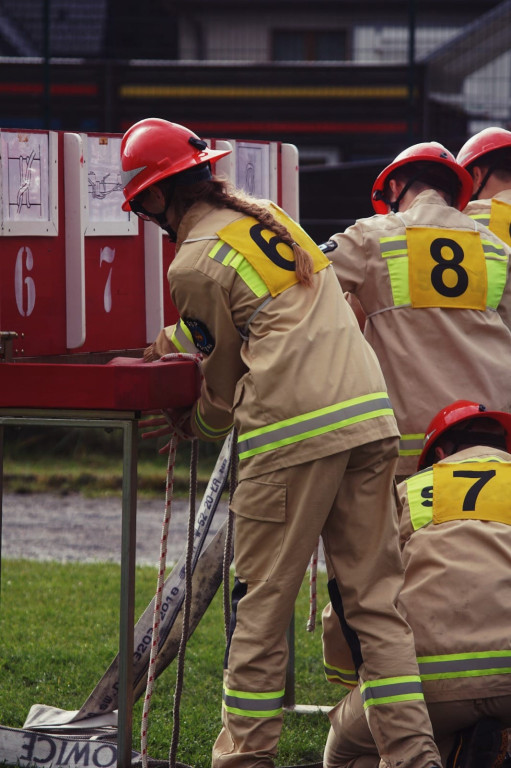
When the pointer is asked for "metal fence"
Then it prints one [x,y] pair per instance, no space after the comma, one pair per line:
[454,62]
[349,83]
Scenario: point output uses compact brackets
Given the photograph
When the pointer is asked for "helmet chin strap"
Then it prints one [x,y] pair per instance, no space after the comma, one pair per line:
[161,218]
[394,206]
[172,235]
[482,185]
[183,179]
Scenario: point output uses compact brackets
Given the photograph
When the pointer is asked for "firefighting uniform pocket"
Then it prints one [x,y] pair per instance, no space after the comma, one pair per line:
[260,509]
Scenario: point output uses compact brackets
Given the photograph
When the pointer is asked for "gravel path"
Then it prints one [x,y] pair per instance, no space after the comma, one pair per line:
[74,528]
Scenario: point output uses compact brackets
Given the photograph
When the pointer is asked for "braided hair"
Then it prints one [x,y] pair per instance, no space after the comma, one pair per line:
[220,193]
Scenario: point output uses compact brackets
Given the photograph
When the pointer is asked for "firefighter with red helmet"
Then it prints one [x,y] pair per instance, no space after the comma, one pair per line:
[487,157]
[455,535]
[434,286]
[285,362]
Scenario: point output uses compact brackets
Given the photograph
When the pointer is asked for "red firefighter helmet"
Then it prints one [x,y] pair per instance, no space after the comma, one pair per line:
[430,151]
[460,410]
[487,140]
[153,149]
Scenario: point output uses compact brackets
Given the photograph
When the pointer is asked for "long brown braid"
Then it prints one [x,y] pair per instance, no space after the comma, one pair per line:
[221,194]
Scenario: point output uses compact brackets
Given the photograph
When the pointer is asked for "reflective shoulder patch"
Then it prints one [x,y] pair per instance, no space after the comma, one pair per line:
[447,268]
[271,257]
[330,245]
[202,338]
[500,220]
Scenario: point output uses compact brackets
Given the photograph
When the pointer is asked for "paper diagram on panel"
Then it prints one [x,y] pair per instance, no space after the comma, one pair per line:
[253,168]
[25,177]
[104,185]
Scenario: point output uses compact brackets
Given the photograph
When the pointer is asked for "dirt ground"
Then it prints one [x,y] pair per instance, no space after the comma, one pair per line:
[73,528]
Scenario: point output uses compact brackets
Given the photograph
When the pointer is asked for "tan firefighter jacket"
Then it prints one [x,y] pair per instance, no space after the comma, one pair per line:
[455,535]
[435,287]
[287,364]
[494,213]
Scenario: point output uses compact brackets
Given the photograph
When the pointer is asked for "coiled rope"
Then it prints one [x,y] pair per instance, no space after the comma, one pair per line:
[313,590]
[177,434]
[186,607]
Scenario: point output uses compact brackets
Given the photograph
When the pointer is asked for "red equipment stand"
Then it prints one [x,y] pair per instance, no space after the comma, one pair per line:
[108,396]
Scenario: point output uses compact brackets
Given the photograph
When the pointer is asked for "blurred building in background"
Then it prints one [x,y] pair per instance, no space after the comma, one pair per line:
[350,82]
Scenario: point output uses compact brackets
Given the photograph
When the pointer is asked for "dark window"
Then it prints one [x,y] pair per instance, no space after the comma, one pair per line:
[309,45]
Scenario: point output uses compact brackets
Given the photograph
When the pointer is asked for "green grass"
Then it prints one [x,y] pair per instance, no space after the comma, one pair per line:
[89,461]
[97,476]
[59,630]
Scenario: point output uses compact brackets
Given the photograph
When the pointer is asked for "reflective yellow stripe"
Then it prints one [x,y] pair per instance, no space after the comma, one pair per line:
[279,92]
[395,251]
[183,339]
[249,704]
[391,690]
[482,218]
[456,665]
[208,431]
[314,423]
[222,252]
[411,445]
[492,250]
[419,489]
[338,675]
[393,246]
[229,257]
[496,268]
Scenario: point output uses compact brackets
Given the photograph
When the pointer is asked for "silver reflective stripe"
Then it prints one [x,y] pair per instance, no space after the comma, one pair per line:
[208,431]
[183,339]
[253,702]
[343,675]
[402,688]
[224,250]
[411,445]
[482,218]
[303,425]
[493,249]
[397,247]
[465,666]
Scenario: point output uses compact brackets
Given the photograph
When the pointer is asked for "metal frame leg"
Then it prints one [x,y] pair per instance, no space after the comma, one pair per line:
[128,422]
[127,622]
[290,692]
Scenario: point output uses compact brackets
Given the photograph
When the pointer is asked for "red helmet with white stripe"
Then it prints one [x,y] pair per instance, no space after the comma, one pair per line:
[154,149]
